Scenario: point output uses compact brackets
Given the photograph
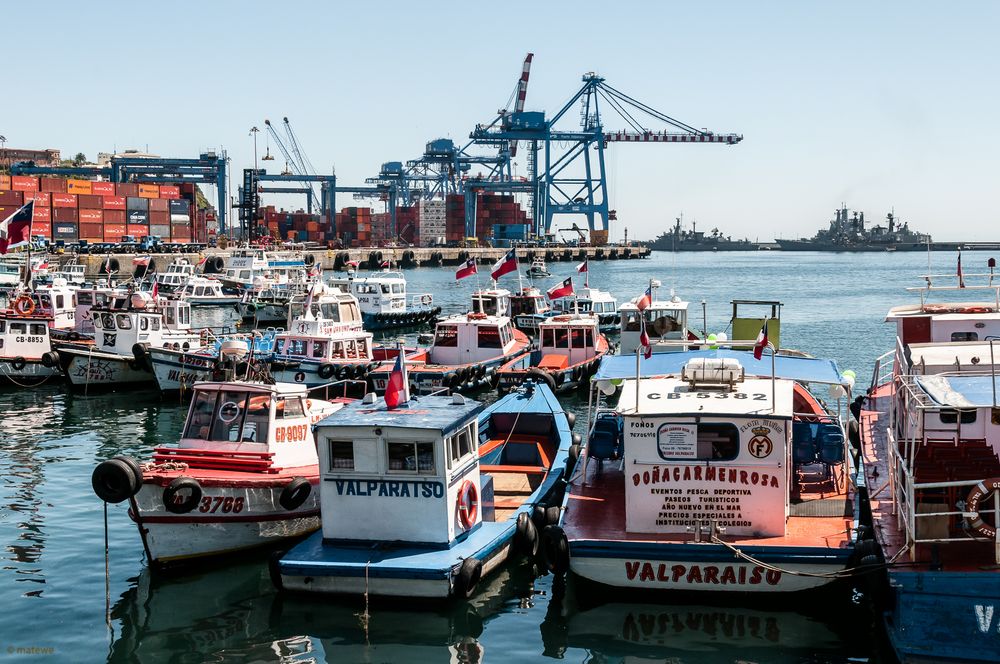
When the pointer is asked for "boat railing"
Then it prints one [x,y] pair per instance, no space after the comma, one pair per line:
[959,284]
[422,300]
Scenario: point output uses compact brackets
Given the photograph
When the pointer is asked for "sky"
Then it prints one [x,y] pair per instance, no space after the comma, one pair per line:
[879,106]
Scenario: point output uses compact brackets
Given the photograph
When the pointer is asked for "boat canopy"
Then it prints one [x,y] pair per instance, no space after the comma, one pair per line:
[967,391]
[802,369]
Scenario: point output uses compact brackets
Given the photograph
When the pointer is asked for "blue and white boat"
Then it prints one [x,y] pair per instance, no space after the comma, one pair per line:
[382,298]
[426,499]
[176,369]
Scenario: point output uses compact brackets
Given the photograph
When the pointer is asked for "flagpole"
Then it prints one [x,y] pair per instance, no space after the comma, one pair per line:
[479,289]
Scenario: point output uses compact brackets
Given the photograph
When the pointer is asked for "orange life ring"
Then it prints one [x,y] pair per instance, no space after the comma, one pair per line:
[468,504]
[935,309]
[979,493]
[24,306]
[973,310]
[477,316]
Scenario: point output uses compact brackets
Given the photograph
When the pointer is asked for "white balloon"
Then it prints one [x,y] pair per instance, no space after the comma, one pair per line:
[837,392]
[722,336]
[847,380]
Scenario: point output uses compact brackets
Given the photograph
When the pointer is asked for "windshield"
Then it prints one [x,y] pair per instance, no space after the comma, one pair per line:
[229,416]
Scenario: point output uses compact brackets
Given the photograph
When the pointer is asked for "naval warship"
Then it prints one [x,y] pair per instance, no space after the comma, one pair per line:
[679,239]
[848,232]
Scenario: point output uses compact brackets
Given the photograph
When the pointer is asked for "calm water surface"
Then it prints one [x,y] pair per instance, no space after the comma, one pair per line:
[52,573]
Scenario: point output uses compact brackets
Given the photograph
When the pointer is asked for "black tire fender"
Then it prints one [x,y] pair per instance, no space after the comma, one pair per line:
[854,434]
[555,549]
[18,363]
[526,536]
[468,577]
[50,359]
[326,371]
[542,376]
[295,493]
[170,495]
[571,419]
[309,260]
[116,479]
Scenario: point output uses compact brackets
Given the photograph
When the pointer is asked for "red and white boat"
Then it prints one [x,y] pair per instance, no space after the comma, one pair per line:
[570,347]
[244,474]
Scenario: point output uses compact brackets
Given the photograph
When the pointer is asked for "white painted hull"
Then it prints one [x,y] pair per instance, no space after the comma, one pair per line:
[103,369]
[699,575]
[175,370]
[259,521]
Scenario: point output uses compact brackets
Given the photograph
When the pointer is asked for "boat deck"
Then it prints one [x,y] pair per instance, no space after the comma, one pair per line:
[596,511]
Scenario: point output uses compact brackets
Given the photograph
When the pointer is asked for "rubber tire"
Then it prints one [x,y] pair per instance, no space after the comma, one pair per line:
[177,485]
[141,355]
[309,260]
[526,536]
[116,479]
[326,371]
[18,363]
[50,359]
[574,456]
[295,493]
[571,419]
[542,376]
[468,578]
[552,515]
[555,549]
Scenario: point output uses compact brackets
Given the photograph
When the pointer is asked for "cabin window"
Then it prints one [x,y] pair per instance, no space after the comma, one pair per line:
[350,349]
[385,288]
[953,416]
[37,329]
[229,417]
[154,324]
[577,338]
[446,336]
[588,337]
[184,315]
[108,321]
[363,348]
[341,454]
[964,336]
[123,321]
[18,328]
[295,347]
[397,288]
[85,298]
[331,312]
[410,457]
[168,317]
[458,446]
[488,305]
[548,337]
[60,301]
[489,337]
[338,350]
[562,337]
[3,326]
[244,274]
[143,323]
[718,442]
[319,349]
[199,291]
[290,407]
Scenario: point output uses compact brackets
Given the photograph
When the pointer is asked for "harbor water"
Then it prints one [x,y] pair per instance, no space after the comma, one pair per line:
[60,605]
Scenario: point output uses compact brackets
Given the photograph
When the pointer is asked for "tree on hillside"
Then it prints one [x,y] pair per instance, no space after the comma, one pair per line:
[80,159]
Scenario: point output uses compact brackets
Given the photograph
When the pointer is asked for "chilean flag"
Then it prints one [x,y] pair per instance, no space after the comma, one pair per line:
[468,269]
[15,230]
[758,347]
[582,267]
[564,289]
[397,390]
[506,264]
[647,348]
[645,300]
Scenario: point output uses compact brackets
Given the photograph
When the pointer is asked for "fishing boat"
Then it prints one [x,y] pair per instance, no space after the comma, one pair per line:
[587,300]
[528,308]
[178,273]
[662,320]
[537,268]
[25,348]
[728,476]
[930,437]
[242,475]
[268,306]
[425,499]
[72,273]
[570,347]
[124,330]
[87,297]
[249,267]
[202,292]
[177,370]
[383,300]
[465,354]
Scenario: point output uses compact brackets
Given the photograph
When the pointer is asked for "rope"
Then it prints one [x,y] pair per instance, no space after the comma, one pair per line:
[26,385]
[839,574]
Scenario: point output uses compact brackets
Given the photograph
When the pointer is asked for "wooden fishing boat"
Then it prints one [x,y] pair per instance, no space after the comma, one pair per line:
[570,348]
[426,499]
[243,474]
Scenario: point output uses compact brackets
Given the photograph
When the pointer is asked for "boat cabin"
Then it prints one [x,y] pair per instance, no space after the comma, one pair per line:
[589,300]
[469,338]
[381,292]
[720,443]
[410,474]
[528,302]
[492,302]
[203,290]
[178,273]
[90,297]
[566,340]
[72,273]
[253,425]
[330,309]
[948,321]
[24,336]
[958,357]
[331,329]
[665,321]
[245,266]
[138,318]
[57,300]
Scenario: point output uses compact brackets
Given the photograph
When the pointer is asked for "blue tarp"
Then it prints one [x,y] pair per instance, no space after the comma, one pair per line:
[960,391]
[804,369]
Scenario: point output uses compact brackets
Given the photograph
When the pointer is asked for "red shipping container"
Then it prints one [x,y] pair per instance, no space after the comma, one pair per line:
[182,232]
[12,198]
[159,205]
[64,200]
[159,218]
[42,228]
[92,232]
[23,183]
[127,189]
[114,216]
[102,188]
[90,201]
[64,214]
[170,191]
[114,202]
[56,185]
[41,214]
[41,198]
[137,231]
[114,232]
[87,215]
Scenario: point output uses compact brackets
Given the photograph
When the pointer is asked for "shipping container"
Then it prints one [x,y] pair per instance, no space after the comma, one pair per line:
[92,232]
[136,217]
[185,219]
[53,185]
[137,231]
[43,228]
[64,214]
[170,191]
[159,218]
[64,231]
[113,202]
[114,233]
[149,191]
[102,188]
[41,214]
[90,202]
[137,203]
[23,183]
[114,216]
[159,205]
[127,189]
[41,198]
[182,207]
[78,187]
[64,200]
[4,181]
[12,198]
[162,231]
[86,215]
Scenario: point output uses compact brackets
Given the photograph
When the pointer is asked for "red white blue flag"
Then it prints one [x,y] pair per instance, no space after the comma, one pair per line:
[565,289]
[645,300]
[582,267]
[467,270]
[397,390]
[506,264]
[761,343]
[15,230]
[647,348]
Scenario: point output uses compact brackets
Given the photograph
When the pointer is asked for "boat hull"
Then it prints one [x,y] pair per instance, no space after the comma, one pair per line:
[33,372]
[307,372]
[86,369]
[176,370]
[916,624]
[395,320]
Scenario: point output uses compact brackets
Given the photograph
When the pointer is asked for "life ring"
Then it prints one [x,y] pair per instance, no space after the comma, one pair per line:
[295,493]
[117,479]
[979,493]
[477,316]
[468,504]
[973,310]
[426,299]
[184,505]
[24,306]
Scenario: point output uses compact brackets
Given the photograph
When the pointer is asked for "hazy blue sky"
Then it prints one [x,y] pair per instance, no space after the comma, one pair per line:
[878,105]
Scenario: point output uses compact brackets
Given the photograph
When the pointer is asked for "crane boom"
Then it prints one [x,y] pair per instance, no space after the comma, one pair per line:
[522,94]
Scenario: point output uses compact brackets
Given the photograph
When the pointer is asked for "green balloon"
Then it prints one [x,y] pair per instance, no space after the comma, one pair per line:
[616,381]
[712,337]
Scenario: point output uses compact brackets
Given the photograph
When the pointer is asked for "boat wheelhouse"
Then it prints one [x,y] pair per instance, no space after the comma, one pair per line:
[178,273]
[202,291]
[58,300]
[528,307]
[665,320]
[268,306]
[249,267]
[123,331]
[89,297]
[587,300]
[492,301]
[242,475]
[425,499]
[25,348]
[466,352]
[570,347]
[721,482]
[383,300]
[72,273]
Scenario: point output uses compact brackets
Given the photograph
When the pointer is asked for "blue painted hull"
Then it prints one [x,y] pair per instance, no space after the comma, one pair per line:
[945,616]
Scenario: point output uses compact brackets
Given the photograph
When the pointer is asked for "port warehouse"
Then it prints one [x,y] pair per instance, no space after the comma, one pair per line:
[71,209]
